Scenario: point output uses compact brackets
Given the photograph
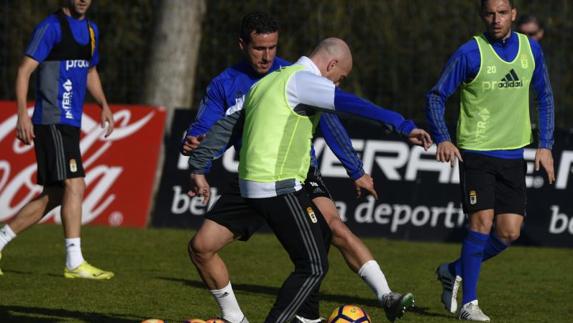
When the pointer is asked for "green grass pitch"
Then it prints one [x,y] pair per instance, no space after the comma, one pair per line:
[155,279]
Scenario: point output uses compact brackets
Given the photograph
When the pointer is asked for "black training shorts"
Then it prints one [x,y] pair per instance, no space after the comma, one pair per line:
[234,213]
[57,153]
[314,185]
[493,183]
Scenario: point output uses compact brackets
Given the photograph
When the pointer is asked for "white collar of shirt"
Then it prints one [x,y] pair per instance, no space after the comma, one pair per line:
[308,65]
[309,87]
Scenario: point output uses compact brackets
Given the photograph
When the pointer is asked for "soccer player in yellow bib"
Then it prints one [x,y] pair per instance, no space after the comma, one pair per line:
[494,71]
[277,124]
[231,219]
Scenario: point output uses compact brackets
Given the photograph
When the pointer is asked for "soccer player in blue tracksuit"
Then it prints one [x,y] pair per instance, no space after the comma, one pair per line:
[64,48]
[231,218]
[494,71]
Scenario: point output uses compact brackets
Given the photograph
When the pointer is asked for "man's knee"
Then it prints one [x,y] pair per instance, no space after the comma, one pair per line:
[482,221]
[75,186]
[324,268]
[507,235]
[508,227]
[210,238]
[315,268]
[199,250]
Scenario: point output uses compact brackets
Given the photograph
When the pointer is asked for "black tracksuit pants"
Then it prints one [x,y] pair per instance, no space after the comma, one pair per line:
[303,232]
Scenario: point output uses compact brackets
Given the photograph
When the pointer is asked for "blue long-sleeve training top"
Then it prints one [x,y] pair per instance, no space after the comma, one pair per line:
[226,92]
[464,65]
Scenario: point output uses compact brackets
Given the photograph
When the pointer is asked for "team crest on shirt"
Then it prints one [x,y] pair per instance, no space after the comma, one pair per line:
[473,197]
[524,61]
[311,215]
[73,165]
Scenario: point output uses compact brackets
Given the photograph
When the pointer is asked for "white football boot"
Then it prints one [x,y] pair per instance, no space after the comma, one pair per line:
[450,287]
[300,319]
[472,312]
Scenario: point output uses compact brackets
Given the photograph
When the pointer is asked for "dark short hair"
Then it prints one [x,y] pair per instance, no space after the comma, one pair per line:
[258,22]
[484,2]
[525,19]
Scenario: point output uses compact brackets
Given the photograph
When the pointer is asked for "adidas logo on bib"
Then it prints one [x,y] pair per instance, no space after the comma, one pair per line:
[510,80]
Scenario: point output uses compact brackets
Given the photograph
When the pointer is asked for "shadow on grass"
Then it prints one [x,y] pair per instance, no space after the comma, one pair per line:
[18,272]
[24,314]
[334,298]
[35,273]
[423,311]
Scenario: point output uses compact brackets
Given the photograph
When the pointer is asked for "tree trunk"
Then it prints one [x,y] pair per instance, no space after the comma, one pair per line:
[174,54]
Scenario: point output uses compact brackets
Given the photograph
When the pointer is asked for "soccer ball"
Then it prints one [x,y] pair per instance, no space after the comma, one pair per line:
[349,314]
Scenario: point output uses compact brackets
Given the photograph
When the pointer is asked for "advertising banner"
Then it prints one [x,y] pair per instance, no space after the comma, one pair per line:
[419,196]
[173,207]
[120,169]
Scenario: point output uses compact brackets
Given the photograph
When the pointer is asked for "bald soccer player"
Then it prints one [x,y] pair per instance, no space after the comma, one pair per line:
[277,120]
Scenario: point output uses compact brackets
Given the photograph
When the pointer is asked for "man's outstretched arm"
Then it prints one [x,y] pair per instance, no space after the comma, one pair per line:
[217,140]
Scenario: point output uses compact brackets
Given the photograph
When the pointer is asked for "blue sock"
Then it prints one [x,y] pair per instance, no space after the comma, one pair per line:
[493,247]
[472,255]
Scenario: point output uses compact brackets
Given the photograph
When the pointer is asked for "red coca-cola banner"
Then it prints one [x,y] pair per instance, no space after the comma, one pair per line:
[120,170]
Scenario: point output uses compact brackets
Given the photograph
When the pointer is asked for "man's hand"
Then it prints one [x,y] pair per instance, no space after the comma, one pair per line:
[544,158]
[107,118]
[365,182]
[191,143]
[25,129]
[200,187]
[421,138]
[448,152]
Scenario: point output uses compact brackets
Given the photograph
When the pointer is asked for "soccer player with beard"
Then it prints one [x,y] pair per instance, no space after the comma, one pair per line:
[494,71]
